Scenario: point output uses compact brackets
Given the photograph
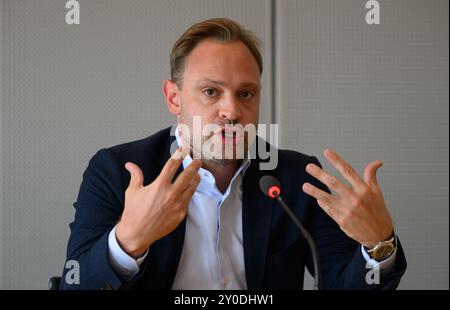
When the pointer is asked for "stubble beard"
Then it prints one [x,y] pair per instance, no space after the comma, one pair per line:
[187,120]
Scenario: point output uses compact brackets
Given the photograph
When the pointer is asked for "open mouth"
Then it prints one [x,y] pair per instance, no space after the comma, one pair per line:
[228,135]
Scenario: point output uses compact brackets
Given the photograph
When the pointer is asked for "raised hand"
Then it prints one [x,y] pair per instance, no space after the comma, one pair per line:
[153,211]
[359,210]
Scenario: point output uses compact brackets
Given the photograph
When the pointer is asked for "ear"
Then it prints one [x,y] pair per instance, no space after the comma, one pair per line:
[172,94]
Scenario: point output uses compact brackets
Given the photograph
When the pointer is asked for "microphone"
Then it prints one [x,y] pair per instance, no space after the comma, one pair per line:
[270,186]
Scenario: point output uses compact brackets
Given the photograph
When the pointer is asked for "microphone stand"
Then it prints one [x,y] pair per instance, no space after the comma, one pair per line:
[307,236]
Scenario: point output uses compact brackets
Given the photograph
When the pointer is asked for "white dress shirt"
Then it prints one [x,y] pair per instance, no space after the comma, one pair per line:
[213,253]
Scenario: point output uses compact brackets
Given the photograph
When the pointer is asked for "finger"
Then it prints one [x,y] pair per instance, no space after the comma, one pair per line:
[136,175]
[344,168]
[370,173]
[328,209]
[182,152]
[329,180]
[318,194]
[187,175]
[171,166]
[187,194]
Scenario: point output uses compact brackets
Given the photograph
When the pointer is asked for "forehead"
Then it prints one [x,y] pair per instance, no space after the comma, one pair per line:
[215,60]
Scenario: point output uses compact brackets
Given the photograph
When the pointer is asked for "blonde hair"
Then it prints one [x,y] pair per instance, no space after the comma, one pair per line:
[221,29]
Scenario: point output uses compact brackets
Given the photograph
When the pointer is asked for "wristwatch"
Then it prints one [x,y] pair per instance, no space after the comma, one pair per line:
[382,249]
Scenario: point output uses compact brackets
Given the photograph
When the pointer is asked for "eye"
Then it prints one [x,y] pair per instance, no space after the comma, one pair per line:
[210,92]
[246,94]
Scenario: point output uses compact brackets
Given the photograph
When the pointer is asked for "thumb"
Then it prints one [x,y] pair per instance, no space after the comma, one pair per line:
[370,173]
[137,178]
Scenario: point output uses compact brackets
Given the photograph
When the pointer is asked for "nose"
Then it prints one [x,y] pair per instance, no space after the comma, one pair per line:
[230,109]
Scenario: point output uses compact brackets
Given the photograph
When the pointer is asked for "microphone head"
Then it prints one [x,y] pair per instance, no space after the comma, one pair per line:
[270,186]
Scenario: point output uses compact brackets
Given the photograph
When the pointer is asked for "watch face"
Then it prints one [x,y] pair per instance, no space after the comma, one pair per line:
[384,251]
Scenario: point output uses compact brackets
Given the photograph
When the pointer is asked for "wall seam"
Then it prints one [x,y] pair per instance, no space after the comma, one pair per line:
[273,56]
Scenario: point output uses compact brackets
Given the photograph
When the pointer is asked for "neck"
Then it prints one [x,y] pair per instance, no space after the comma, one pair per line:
[222,172]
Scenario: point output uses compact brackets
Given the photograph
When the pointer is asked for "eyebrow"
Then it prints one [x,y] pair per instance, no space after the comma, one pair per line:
[220,83]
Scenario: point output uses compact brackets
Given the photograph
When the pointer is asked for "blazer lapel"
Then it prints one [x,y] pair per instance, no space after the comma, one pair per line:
[256,221]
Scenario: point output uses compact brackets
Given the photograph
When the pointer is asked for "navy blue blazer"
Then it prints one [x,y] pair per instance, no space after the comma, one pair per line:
[275,253]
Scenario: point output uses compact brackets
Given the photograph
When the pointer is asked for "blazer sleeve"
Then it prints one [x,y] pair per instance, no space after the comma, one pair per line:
[342,263]
[98,208]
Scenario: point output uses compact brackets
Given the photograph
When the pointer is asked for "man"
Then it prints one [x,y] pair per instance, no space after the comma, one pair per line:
[177,222]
